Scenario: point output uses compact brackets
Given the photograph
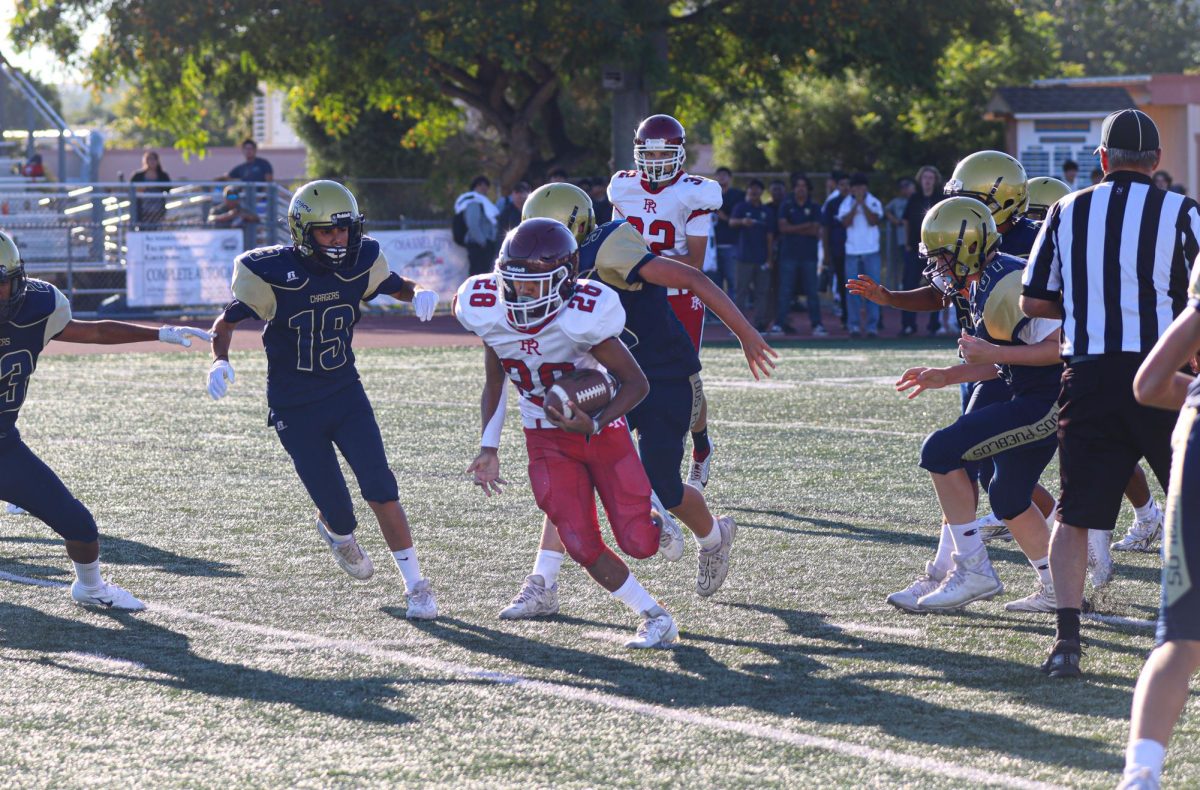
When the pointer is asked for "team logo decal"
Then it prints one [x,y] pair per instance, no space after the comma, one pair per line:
[649,206]
[530,346]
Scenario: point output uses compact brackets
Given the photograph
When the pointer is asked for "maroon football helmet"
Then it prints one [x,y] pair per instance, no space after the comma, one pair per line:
[658,148]
[536,270]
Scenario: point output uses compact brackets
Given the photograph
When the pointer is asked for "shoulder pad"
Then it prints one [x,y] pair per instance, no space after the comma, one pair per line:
[369,250]
[41,300]
[278,265]
[700,193]
[478,314]
[590,319]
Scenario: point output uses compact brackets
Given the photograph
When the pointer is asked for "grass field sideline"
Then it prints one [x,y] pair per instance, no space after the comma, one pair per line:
[260,663]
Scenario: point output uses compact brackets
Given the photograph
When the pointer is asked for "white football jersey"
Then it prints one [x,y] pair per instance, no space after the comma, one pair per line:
[668,215]
[533,360]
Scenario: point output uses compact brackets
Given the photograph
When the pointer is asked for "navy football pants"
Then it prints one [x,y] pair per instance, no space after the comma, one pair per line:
[346,421]
[979,395]
[1019,436]
[662,421]
[27,482]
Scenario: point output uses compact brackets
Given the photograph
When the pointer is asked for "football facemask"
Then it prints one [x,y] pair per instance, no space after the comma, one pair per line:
[532,297]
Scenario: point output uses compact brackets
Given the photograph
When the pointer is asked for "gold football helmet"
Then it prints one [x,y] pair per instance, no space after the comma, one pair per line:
[564,202]
[957,236]
[1044,192]
[325,204]
[12,270]
[995,179]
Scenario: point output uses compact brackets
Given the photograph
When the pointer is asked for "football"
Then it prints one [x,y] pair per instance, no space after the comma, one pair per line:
[590,390]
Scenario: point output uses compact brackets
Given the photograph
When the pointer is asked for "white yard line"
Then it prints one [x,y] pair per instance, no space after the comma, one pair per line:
[1113,619]
[880,630]
[809,426]
[869,754]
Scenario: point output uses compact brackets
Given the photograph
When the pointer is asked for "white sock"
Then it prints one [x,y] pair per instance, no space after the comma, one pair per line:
[1146,511]
[410,569]
[712,539]
[1042,567]
[966,538]
[943,563]
[547,564]
[634,595]
[336,538]
[1144,753]
[88,574]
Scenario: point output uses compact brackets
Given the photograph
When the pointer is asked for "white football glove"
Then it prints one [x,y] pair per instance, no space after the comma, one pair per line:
[220,376]
[424,303]
[181,335]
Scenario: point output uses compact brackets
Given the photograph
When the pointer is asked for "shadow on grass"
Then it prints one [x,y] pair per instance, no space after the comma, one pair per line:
[168,654]
[120,551]
[794,681]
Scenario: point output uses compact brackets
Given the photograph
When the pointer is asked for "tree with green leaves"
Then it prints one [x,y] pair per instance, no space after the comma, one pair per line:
[519,77]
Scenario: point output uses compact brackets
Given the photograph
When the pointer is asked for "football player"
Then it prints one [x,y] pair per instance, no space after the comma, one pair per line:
[1044,192]
[617,255]
[995,178]
[673,211]
[32,313]
[310,294]
[959,243]
[999,181]
[1162,688]
[537,323]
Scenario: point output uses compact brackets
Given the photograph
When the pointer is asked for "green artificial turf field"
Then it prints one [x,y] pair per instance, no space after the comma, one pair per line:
[260,663]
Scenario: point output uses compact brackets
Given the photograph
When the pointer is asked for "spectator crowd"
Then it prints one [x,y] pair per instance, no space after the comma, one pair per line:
[780,250]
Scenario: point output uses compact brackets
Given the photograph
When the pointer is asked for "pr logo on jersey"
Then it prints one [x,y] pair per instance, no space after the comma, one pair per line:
[529,346]
[649,206]
[279,426]
[291,277]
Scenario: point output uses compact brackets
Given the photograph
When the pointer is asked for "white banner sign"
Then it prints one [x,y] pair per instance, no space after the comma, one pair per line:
[180,267]
[428,257]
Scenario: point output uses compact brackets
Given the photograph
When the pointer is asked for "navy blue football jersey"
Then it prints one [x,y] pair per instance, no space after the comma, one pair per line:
[310,313]
[614,253]
[1018,240]
[996,310]
[44,313]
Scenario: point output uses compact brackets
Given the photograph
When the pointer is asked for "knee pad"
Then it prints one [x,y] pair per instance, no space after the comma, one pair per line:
[639,541]
[584,546]
[74,522]
[940,453]
[379,486]
[1009,498]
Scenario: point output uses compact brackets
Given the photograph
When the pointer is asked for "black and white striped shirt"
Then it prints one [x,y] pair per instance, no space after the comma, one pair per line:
[1117,255]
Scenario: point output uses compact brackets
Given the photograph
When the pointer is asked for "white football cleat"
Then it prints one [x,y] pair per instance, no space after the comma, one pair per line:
[349,554]
[698,473]
[106,596]
[422,605]
[1100,562]
[534,600]
[908,598]
[992,528]
[713,564]
[658,629]
[15,510]
[1042,600]
[670,536]
[973,579]
[1141,535]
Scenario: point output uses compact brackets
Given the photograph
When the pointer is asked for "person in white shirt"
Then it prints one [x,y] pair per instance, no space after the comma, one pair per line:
[859,214]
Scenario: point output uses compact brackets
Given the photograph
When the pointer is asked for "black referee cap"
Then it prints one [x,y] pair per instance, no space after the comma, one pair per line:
[1129,130]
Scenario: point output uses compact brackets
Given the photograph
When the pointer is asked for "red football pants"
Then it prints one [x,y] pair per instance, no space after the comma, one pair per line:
[690,311]
[567,470]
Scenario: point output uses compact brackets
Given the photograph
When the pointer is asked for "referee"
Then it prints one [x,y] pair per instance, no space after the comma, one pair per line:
[1112,261]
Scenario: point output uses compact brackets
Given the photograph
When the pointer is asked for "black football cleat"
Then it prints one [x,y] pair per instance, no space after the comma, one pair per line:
[1063,661]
